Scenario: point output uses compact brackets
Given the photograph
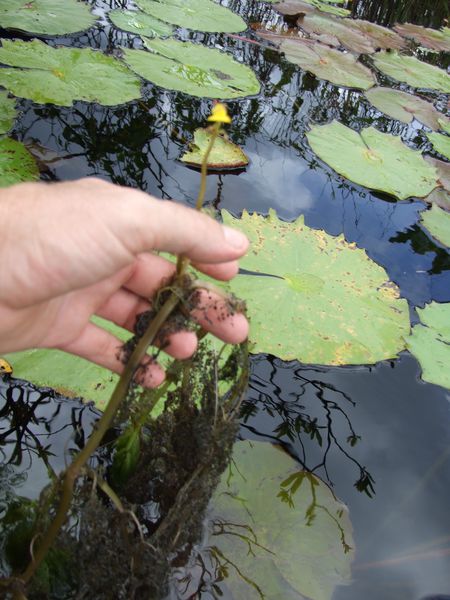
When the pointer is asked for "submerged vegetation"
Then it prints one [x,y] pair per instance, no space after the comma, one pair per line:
[128,513]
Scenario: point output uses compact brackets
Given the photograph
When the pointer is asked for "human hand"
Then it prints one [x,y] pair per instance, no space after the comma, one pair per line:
[72,250]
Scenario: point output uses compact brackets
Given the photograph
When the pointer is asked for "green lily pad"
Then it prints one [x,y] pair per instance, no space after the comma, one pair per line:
[7,112]
[380,37]
[325,302]
[200,15]
[140,23]
[412,71]
[224,154]
[430,343]
[63,75]
[299,7]
[193,69]
[327,63]
[404,107]
[379,161]
[16,163]
[48,17]
[437,221]
[430,38]
[444,124]
[277,530]
[441,143]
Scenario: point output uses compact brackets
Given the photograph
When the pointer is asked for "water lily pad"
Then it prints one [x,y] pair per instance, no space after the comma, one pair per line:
[444,124]
[380,37]
[63,75]
[441,143]
[404,107]
[430,38]
[48,17]
[327,63]
[443,170]
[412,71]
[351,38]
[282,529]
[16,163]
[7,112]
[298,7]
[200,15]
[440,197]
[379,161]
[437,221]
[224,154]
[430,343]
[193,69]
[325,302]
[140,23]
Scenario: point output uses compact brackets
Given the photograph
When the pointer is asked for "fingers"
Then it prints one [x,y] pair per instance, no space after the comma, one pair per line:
[104,349]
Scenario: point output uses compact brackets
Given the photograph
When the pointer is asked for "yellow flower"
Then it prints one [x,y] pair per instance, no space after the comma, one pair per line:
[5,367]
[219,114]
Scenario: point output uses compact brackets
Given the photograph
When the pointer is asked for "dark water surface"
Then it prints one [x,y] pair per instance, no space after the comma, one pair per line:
[400,505]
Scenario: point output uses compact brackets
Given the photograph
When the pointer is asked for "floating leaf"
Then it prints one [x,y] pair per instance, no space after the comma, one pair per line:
[430,38]
[282,529]
[404,107]
[16,163]
[224,154]
[298,7]
[327,63]
[437,221]
[441,143]
[443,170]
[63,75]
[48,17]
[412,71]
[439,197]
[380,37]
[200,15]
[325,302]
[192,68]
[140,23]
[7,112]
[444,124]
[430,343]
[378,161]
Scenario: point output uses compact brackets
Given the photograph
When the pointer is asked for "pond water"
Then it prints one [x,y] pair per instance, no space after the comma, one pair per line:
[396,478]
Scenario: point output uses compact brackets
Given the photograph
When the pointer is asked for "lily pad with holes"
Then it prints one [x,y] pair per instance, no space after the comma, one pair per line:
[412,71]
[437,222]
[7,112]
[323,301]
[193,69]
[140,23]
[281,529]
[436,39]
[62,75]
[441,143]
[47,17]
[16,163]
[301,7]
[224,154]
[405,107]
[430,343]
[378,161]
[328,63]
[200,15]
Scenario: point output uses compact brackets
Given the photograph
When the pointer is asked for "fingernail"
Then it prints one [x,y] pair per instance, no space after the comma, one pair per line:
[235,238]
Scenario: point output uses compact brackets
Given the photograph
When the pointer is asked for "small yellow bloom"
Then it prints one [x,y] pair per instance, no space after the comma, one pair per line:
[219,114]
[5,367]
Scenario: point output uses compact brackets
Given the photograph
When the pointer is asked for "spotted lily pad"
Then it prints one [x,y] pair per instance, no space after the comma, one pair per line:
[412,71]
[324,301]
[7,112]
[327,63]
[299,7]
[441,143]
[63,75]
[430,38]
[437,221]
[140,23]
[200,15]
[281,529]
[16,163]
[192,68]
[405,107]
[430,343]
[224,154]
[379,161]
[48,17]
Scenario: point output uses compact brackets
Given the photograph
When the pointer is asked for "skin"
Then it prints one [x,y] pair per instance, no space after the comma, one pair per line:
[72,250]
